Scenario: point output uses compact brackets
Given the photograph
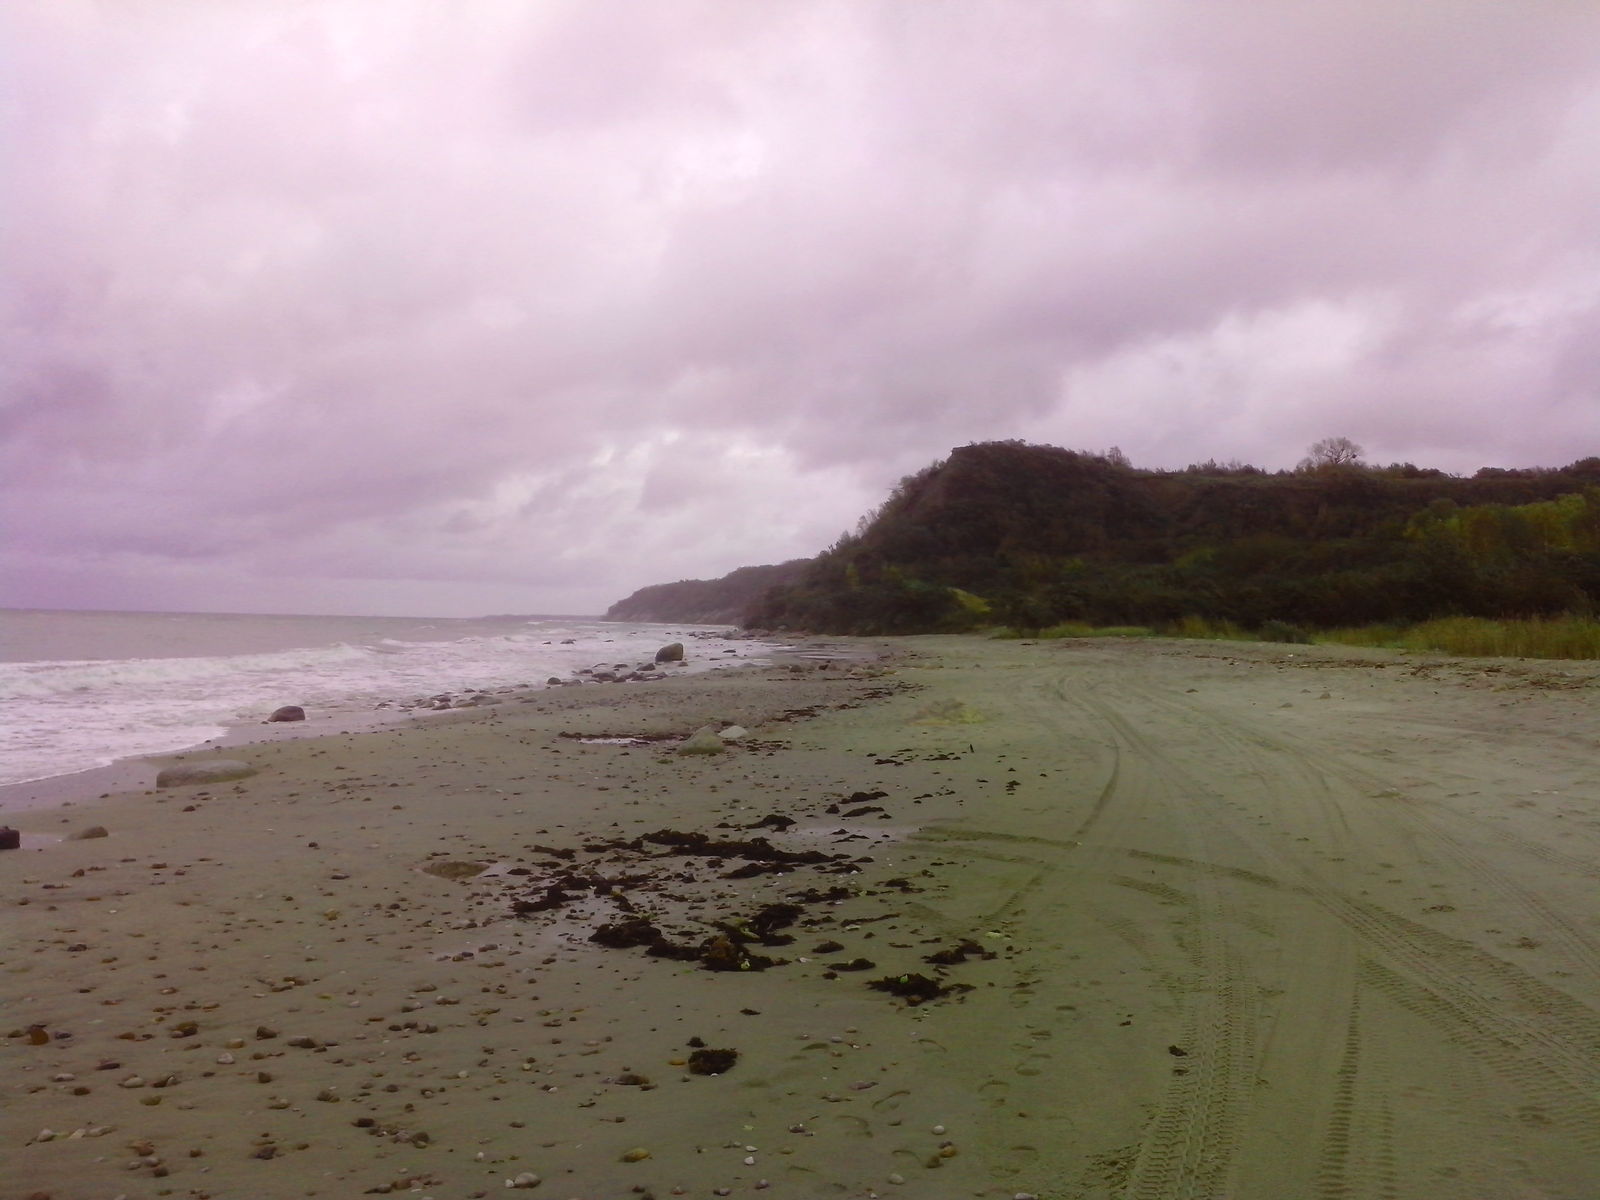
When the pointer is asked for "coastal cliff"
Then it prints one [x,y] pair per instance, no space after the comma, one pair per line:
[721,601]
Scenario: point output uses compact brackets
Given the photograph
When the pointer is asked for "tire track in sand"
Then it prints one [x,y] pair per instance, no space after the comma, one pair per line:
[1314,768]
[1535,1036]
[1188,1149]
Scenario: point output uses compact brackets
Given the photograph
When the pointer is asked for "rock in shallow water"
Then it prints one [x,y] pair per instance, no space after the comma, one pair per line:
[289,712]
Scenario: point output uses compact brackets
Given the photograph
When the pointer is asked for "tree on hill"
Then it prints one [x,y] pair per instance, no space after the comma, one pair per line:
[1331,452]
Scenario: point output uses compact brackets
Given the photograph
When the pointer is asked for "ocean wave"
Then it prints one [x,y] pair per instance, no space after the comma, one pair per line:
[69,715]
[35,680]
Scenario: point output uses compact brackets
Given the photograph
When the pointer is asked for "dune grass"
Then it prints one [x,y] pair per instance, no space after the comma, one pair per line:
[1533,637]
[1076,629]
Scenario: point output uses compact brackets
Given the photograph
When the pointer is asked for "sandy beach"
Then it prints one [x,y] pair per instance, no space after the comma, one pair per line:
[1149,920]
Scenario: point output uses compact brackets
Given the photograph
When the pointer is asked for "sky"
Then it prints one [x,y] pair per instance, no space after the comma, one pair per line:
[400,307]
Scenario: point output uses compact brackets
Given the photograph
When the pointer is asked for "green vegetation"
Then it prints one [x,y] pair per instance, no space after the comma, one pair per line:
[1075,629]
[1038,539]
[1536,637]
[1556,637]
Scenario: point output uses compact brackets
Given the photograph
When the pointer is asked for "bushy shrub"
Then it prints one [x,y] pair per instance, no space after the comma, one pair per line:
[1282,631]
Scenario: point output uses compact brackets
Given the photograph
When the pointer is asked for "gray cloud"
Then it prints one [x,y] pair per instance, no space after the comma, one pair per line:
[410,307]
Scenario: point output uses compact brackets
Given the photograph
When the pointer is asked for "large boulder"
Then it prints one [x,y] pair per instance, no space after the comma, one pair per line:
[672,652]
[212,770]
[289,712]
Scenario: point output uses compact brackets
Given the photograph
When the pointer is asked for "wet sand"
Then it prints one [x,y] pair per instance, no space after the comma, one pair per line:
[1203,919]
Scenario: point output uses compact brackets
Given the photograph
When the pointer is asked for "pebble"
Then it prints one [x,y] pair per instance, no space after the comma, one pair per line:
[526,1180]
[637,1154]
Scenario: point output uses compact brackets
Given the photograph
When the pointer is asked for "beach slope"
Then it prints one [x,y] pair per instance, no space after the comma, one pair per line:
[1099,919]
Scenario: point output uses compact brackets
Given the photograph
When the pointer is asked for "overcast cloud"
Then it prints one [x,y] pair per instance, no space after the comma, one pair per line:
[406,307]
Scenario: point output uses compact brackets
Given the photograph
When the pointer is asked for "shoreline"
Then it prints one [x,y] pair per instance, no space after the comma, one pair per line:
[139,770]
[1133,897]
[360,703]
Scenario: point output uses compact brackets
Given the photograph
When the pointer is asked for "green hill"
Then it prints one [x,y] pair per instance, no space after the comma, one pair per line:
[1006,532]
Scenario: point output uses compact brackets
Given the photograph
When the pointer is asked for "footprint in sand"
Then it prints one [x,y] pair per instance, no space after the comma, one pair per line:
[890,1102]
[995,1091]
[1034,1064]
[1019,1159]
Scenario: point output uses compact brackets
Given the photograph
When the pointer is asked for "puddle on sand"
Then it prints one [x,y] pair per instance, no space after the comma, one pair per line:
[621,739]
[38,841]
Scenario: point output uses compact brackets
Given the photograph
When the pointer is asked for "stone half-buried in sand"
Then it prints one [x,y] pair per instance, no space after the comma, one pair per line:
[451,868]
[214,770]
[704,740]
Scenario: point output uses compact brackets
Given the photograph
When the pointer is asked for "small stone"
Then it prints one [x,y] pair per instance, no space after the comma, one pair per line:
[89,832]
[637,1154]
[526,1180]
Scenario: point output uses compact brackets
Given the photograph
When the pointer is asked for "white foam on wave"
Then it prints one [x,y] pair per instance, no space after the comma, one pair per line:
[69,716]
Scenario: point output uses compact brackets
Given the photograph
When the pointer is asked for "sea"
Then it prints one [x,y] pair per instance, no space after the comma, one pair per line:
[83,689]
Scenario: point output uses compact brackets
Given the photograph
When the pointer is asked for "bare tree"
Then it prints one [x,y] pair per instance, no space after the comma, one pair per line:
[1332,452]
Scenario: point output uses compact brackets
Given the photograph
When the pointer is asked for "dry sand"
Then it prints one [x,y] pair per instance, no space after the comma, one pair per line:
[1240,921]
